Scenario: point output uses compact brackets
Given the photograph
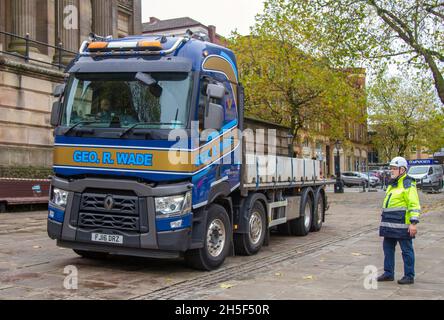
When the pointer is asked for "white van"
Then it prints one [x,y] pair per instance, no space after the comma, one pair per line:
[428,177]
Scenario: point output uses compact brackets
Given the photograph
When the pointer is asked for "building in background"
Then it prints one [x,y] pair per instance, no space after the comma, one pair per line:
[179,27]
[353,151]
[439,155]
[25,100]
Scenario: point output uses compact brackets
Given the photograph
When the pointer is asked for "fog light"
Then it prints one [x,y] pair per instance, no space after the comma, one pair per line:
[176,224]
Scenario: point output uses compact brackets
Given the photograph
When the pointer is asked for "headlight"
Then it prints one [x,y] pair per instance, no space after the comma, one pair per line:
[173,206]
[59,197]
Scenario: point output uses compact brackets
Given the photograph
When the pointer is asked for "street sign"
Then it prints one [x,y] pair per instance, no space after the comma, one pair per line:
[422,162]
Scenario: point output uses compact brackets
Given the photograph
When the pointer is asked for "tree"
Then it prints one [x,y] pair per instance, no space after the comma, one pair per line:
[402,117]
[346,31]
[287,86]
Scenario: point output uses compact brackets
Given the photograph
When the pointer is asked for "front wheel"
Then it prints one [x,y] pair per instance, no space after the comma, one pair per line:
[217,241]
[250,243]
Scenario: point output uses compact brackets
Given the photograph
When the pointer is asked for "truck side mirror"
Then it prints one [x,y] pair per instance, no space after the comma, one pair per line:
[215,91]
[55,113]
[58,90]
[214,117]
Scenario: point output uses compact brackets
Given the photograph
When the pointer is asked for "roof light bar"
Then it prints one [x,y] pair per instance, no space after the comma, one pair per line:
[151,45]
[142,47]
[97,45]
[122,45]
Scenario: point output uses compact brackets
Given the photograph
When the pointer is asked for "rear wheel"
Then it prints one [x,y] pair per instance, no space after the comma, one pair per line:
[250,243]
[301,226]
[217,241]
[91,254]
[319,211]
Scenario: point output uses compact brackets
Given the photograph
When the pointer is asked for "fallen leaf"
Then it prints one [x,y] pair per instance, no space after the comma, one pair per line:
[226,286]
[37,247]
[357,254]
[308,278]
[169,279]
[278,274]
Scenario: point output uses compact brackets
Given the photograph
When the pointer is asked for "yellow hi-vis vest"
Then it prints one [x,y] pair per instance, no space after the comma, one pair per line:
[400,208]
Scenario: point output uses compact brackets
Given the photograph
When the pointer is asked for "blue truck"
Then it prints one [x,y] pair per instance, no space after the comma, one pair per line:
[149,158]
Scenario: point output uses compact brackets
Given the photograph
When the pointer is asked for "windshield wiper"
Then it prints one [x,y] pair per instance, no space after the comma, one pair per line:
[134,126]
[78,124]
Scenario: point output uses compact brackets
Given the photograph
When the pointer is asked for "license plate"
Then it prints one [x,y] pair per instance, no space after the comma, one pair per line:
[107,238]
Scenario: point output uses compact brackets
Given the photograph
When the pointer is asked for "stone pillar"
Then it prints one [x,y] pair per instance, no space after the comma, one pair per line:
[23,14]
[85,19]
[103,17]
[68,34]
[137,17]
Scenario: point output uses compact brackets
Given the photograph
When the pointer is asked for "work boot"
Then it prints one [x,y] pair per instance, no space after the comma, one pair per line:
[385,277]
[406,280]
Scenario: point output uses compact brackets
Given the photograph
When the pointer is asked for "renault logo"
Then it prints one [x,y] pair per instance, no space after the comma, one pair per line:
[108,204]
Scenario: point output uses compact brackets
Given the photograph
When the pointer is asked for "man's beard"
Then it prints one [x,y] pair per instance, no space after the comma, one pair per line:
[394,180]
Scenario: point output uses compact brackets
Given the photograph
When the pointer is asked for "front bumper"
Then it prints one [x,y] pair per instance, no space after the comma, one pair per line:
[428,186]
[133,218]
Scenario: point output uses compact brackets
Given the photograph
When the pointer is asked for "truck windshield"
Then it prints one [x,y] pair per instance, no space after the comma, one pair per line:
[117,100]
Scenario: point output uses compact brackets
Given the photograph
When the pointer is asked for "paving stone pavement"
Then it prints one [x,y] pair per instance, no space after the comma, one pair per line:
[32,267]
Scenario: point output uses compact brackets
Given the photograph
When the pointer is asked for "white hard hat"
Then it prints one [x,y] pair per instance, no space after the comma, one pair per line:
[399,162]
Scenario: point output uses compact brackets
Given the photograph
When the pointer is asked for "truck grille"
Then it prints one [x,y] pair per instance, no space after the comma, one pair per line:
[115,212]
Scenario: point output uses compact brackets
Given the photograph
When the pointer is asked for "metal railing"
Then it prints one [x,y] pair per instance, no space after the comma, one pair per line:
[27,41]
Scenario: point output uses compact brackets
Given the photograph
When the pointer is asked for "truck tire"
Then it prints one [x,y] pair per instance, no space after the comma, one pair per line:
[217,241]
[319,211]
[301,226]
[248,244]
[91,254]
[284,229]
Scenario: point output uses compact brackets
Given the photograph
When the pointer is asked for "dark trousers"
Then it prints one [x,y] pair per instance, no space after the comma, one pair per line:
[408,255]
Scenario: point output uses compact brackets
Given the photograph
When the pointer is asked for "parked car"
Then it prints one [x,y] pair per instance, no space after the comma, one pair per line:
[377,173]
[374,180]
[352,178]
[428,177]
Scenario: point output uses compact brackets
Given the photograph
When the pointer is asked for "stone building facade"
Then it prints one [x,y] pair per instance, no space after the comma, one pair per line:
[25,87]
